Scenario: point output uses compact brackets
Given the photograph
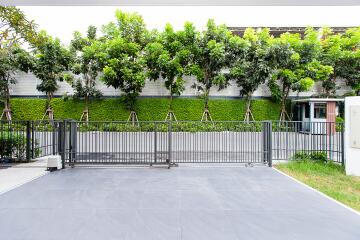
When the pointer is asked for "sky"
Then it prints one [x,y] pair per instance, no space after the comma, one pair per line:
[61,22]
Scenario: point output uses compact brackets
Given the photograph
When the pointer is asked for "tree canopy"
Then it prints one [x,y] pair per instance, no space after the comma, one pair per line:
[253,66]
[169,57]
[85,66]
[210,57]
[51,60]
[297,66]
[126,53]
[122,56]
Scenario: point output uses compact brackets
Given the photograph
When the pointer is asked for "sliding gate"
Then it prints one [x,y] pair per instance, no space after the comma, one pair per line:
[103,143]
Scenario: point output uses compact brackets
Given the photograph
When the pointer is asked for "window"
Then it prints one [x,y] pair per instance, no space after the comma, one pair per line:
[320,110]
[307,110]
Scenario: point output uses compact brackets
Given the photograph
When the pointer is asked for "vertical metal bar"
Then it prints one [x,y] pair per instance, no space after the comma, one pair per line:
[270,144]
[62,142]
[342,145]
[155,143]
[32,140]
[169,142]
[28,140]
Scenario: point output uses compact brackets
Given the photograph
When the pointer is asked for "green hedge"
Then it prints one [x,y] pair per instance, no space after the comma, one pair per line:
[148,109]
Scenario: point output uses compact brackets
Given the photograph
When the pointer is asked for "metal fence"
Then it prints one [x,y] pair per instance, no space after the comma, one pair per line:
[168,142]
[291,138]
[112,142]
[21,141]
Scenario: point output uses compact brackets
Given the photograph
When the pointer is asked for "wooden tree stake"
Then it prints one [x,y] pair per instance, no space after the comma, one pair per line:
[170,116]
[6,114]
[133,118]
[206,116]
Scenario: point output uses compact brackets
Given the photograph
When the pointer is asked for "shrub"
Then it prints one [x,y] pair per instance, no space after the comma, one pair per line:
[314,156]
[13,146]
[148,109]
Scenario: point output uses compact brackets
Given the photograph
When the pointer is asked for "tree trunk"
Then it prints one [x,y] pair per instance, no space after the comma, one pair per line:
[85,114]
[206,114]
[170,98]
[49,112]
[7,107]
[248,113]
[170,116]
[283,113]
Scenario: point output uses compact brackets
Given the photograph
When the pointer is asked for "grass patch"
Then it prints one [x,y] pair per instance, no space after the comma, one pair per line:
[328,178]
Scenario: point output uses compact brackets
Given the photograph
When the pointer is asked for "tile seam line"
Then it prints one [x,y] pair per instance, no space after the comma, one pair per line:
[317,191]
[21,184]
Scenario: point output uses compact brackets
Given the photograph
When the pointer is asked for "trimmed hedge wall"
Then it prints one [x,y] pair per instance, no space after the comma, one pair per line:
[148,109]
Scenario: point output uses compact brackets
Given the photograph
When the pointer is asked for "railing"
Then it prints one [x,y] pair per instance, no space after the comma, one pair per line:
[290,138]
[21,141]
[115,142]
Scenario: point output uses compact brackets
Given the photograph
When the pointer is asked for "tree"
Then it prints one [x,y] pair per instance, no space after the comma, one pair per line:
[297,66]
[10,63]
[122,57]
[253,66]
[15,29]
[86,67]
[51,62]
[350,65]
[210,58]
[169,58]
[332,54]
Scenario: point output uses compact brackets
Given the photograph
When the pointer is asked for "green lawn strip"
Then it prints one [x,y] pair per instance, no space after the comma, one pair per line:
[328,178]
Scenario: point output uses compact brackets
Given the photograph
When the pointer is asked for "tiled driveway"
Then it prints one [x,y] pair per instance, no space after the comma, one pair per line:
[180,203]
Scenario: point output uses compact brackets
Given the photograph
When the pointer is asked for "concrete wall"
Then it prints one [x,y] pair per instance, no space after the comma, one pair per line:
[26,86]
[352,134]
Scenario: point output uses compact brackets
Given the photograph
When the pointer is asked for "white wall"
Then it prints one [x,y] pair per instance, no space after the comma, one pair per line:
[26,86]
[352,131]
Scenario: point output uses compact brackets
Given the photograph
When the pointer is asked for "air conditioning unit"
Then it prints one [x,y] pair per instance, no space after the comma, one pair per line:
[54,163]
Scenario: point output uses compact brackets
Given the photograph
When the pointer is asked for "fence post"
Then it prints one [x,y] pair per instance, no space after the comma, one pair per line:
[270,144]
[61,143]
[342,145]
[169,142]
[28,140]
[33,154]
[73,142]
[267,142]
[155,143]
[53,138]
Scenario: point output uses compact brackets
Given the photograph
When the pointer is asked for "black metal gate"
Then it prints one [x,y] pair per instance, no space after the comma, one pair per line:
[103,143]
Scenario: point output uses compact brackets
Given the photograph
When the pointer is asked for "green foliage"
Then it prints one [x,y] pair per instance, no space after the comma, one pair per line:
[327,177]
[122,60]
[11,61]
[169,57]
[314,156]
[209,49]
[148,109]
[86,65]
[15,28]
[341,51]
[252,66]
[13,146]
[297,66]
[50,63]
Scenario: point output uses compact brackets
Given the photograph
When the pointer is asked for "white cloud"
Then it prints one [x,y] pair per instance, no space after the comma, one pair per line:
[63,21]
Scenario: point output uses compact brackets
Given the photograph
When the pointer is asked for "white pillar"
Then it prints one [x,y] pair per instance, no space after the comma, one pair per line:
[352,136]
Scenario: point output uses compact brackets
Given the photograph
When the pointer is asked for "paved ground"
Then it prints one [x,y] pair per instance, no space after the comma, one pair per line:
[180,203]
[12,177]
